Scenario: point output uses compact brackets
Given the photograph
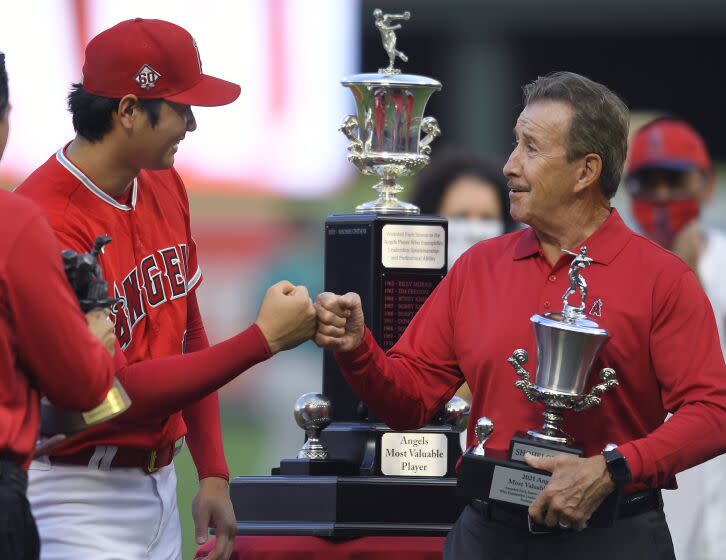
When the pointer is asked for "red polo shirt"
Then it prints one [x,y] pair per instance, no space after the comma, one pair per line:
[663,346]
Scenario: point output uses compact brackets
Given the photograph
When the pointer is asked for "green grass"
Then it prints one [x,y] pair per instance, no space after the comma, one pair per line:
[242,442]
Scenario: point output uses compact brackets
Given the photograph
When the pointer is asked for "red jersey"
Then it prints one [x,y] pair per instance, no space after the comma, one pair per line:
[151,264]
[37,357]
[663,346]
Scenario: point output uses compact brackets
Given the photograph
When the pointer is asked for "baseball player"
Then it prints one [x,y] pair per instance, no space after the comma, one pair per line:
[35,298]
[113,494]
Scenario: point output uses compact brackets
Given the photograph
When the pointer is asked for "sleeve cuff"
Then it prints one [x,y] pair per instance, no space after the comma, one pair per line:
[359,355]
[635,461]
[261,340]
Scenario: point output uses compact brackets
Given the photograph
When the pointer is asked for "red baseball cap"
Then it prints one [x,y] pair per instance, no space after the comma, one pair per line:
[668,144]
[152,59]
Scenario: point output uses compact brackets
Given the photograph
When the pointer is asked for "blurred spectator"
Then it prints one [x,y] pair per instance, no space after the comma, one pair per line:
[469,190]
[670,178]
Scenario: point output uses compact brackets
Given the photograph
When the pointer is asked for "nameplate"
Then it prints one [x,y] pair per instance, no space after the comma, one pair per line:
[515,486]
[413,246]
[519,449]
[413,454]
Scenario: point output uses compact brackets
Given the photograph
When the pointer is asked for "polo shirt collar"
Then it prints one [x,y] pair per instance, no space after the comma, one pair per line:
[602,246]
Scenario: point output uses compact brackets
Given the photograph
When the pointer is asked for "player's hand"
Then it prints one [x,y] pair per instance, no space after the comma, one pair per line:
[690,243]
[577,488]
[287,316]
[212,508]
[99,321]
[341,324]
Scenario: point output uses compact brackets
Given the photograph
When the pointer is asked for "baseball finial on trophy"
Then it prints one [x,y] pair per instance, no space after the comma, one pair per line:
[385,132]
[483,430]
[312,414]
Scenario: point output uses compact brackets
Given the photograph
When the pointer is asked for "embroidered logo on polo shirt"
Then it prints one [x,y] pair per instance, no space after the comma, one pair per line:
[147,77]
[596,310]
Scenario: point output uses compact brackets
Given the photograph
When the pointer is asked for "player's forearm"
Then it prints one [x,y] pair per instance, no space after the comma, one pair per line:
[164,386]
[204,437]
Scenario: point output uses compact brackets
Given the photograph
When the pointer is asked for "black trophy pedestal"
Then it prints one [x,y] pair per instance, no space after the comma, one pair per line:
[350,493]
[504,477]
[344,506]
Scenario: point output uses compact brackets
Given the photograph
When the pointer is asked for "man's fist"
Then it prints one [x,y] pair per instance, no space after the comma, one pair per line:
[101,326]
[287,317]
[340,321]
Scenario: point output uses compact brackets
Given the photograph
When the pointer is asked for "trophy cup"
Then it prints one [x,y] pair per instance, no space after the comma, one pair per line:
[366,478]
[567,346]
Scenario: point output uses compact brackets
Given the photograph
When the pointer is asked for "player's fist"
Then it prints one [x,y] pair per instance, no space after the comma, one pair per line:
[287,317]
[341,324]
[99,321]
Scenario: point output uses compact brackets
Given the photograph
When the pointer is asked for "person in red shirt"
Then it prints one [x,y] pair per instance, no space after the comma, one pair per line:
[35,297]
[571,142]
[113,490]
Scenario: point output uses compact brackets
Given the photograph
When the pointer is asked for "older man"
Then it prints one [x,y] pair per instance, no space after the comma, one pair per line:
[571,141]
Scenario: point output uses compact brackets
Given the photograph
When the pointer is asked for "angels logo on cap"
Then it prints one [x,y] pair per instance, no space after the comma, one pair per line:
[147,77]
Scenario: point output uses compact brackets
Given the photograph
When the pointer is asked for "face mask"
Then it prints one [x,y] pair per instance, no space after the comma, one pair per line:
[463,233]
[662,220]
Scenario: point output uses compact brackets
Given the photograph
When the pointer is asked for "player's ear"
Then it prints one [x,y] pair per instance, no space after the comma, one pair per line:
[128,110]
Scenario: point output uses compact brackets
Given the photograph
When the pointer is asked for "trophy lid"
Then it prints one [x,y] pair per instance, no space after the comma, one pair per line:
[391,80]
[560,321]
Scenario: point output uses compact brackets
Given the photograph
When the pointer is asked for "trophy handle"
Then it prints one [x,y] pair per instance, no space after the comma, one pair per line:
[349,127]
[518,358]
[593,398]
[430,126]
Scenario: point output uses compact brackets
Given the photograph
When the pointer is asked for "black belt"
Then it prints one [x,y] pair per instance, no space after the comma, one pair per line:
[13,475]
[517,516]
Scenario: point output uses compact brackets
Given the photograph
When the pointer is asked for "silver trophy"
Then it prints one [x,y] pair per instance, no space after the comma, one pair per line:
[385,134]
[567,345]
[312,414]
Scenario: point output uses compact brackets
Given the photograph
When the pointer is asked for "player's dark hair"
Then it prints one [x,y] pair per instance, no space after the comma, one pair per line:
[4,95]
[92,114]
[599,124]
[448,166]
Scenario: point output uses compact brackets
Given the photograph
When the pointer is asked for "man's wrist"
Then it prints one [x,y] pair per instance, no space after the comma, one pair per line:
[617,467]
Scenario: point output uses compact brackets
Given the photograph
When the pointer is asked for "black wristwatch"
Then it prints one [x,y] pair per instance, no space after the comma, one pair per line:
[617,467]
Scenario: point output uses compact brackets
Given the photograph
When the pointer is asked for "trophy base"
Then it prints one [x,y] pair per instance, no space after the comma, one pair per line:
[315,467]
[504,477]
[341,507]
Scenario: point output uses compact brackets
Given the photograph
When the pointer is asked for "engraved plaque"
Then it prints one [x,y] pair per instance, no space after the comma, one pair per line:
[413,246]
[414,454]
[515,486]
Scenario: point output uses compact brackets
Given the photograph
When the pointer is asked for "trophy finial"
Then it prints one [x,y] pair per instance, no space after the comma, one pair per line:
[312,414]
[483,431]
[384,23]
[456,413]
[577,282]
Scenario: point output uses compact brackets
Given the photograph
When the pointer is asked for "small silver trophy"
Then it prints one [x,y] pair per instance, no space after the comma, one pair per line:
[385,134]
[312,414]
[567,345]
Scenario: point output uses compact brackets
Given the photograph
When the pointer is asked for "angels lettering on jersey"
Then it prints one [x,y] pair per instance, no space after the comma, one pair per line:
[160,277]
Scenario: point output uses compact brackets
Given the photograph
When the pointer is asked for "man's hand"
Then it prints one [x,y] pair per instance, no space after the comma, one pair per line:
[287,317]
[690,243]
[45,446]
[212,508]
[341,325]
[577,487]
[101,326]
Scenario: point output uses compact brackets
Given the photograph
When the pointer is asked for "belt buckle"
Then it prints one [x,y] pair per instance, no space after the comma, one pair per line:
[151,466]
[537,529]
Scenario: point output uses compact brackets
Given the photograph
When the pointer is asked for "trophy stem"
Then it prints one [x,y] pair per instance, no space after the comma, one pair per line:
[387,202]
[551,429]
[313,448]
